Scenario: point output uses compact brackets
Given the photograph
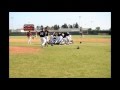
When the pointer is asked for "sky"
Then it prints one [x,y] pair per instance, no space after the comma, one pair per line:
[84,19]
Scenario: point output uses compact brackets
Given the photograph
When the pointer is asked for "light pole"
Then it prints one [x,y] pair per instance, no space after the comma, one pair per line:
[80,27]
[91,23]
[79,20]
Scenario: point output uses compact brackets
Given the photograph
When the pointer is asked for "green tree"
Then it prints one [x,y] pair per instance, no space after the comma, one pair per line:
[48,27]
[97,29]
[52,28]
[76,25]
[90,29]
[64,26]
[70,26]
[56,27]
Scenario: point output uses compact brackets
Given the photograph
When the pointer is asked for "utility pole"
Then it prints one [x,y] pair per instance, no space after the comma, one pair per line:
[79,20]
[81,32]
[91,23]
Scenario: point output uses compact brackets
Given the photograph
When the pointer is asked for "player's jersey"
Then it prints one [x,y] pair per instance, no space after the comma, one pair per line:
[42,33]
[29,34]
[46,33]
[59,34]
[65,34]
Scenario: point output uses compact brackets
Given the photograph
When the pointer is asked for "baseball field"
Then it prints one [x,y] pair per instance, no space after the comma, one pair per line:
[91,60]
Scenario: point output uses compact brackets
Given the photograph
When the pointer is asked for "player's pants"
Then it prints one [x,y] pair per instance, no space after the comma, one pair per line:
[68,39]
[57,39]
[29,40]
[60,39]
[47,39]
[65,40]
[43,41]
[51,39]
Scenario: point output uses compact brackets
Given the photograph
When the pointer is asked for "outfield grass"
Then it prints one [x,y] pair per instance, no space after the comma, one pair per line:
[92,60]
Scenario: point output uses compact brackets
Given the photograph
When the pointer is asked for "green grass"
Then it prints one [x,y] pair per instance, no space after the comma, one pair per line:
[92,60]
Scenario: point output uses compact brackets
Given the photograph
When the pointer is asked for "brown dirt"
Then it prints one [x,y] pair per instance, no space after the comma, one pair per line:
[14,49]
[75,40]
[24,40]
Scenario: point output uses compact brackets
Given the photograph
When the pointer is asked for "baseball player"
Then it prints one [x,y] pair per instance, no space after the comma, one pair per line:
[42,36]
[68,38]
[57,38]
[29,35]
[65,41]
[54,37]
[51,39]
[60,38]
[46,36]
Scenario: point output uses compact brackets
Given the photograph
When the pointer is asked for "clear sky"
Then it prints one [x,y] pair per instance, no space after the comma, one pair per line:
[84,19]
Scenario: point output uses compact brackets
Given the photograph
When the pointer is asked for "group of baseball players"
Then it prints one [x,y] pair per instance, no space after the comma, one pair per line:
[60,38]
[55,38]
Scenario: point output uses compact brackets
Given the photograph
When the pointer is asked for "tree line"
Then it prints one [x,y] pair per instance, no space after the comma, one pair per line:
[56,27]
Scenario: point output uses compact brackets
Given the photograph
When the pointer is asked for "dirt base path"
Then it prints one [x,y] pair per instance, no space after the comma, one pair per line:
[14,49]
